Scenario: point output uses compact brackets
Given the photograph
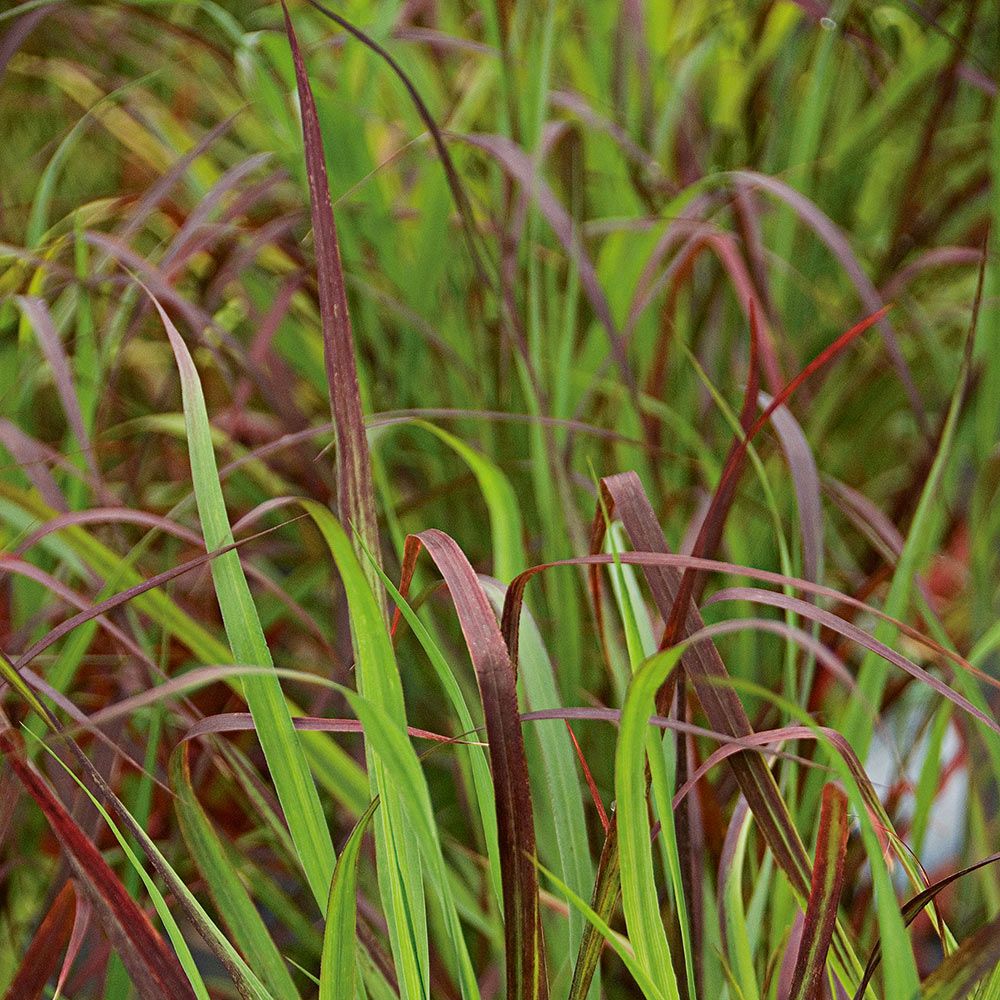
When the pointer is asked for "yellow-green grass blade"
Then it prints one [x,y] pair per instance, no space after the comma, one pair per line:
[481,778]
[339,773]
[405,828]
[251,985]
[338,972]
[640,901]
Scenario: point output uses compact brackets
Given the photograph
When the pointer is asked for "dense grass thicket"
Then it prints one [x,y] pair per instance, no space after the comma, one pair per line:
[499,500]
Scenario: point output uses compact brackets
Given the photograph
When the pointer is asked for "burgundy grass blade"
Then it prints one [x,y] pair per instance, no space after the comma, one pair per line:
[38,315]
[125,596]
[914,907]
[81,924]
[355,492]
[840,248]
[591,784]
[858,635]
[241,722]
[703,665]
[41,958]
[824,896]
[679,561]
[152,966]
[526,977]
[805,481]
[711,530]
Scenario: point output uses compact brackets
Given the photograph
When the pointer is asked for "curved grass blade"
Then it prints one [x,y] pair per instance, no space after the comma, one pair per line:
[915,906]
[41,957]
[956,977]
[481,777]
[286,760]
[153,968]
[562,786]
[338,971]
[526,979]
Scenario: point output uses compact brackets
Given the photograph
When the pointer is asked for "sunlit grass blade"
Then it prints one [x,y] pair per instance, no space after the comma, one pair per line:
[404,826]
[285,758]
[640,900]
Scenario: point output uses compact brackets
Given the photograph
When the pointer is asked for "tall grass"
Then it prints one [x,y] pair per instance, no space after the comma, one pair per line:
[498,500]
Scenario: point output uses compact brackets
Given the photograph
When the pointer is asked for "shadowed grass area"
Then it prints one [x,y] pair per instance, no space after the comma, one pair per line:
[499,500]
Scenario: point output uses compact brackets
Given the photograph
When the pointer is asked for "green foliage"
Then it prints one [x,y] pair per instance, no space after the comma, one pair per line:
[288,298]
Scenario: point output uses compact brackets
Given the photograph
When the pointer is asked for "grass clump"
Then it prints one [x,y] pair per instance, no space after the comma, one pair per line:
[498,500]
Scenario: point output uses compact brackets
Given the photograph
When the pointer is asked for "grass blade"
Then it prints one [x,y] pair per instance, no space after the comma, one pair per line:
[824,896]
[234,904]
[338,971]
[355,492]
[286,760]
[153,968]
[525,952]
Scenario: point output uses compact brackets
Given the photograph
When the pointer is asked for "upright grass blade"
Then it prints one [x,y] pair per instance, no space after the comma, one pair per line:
[702,664]
[405,830]
[561,785]
[640,901]
[824,896]
[355,492]
[286,760]
[232,900]
[481,777]
[525,953]
[338,972]
[604,932]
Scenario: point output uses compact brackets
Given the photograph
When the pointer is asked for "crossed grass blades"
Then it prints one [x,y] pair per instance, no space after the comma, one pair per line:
[325,332]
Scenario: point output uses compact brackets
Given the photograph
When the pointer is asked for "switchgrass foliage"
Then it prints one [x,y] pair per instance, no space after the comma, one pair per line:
[499,500]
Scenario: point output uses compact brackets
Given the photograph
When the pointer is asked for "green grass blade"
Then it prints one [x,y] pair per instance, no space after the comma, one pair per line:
[286,760]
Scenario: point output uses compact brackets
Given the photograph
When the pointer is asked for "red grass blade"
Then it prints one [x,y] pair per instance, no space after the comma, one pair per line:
[152,966]
[241,722]
[355,492]
[704,666]
[591,784]
[956,977]
[526,979]
[711,528]
[41,959]
[81,924]
[824,896]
